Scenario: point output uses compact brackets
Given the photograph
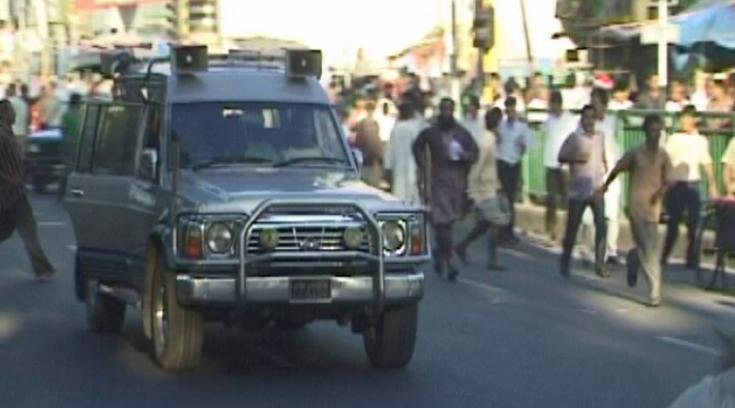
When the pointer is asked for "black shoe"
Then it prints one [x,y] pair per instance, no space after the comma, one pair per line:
[452,274]
[461,252]
[633,263]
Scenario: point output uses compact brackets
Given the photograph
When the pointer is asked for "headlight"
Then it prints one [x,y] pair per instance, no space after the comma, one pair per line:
[394,236]
[353,237]
[219,238]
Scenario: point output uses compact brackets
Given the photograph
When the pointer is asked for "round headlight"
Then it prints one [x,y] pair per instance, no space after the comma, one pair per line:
[269,239]
[219,238]
[353,237]
[394,236]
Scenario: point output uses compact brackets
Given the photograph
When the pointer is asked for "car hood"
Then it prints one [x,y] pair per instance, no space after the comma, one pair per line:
[243,190]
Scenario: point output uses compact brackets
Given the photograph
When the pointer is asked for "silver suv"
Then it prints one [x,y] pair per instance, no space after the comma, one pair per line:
[222,189]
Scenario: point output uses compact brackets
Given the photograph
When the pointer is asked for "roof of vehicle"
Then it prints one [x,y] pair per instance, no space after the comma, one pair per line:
[220,84]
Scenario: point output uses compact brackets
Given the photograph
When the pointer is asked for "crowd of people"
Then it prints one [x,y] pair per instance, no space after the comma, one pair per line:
[473,164]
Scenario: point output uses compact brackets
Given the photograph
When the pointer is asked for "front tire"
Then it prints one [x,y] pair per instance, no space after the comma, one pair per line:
[178,332]
[104,313]
[390,342]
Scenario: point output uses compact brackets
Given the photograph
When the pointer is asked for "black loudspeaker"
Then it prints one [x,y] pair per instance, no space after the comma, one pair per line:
[304,63]
[189,59]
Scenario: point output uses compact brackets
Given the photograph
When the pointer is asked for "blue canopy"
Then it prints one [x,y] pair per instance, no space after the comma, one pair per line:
[712,24]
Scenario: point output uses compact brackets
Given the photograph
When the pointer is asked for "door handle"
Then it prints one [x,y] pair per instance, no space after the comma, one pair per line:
[77,192]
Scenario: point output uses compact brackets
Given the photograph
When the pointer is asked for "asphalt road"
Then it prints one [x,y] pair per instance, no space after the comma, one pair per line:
[520,338]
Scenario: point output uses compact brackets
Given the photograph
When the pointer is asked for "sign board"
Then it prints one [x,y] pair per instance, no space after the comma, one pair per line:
[650,34]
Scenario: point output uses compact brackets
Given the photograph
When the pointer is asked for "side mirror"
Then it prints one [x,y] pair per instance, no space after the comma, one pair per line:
[359,159]
[149,164]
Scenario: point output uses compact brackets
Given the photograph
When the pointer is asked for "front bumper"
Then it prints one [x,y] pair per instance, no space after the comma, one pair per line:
[216,291]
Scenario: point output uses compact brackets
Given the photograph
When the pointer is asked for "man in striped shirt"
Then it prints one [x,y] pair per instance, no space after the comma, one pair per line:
[13,200]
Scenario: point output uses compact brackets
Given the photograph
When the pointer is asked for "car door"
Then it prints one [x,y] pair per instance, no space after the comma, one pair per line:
[114,170]
[145,205]
[80,200]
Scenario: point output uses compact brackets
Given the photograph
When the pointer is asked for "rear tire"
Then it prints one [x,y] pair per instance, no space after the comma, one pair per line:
[104,313]
[390,342]
[178,332]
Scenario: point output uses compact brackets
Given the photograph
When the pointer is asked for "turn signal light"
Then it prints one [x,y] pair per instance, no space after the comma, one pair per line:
[417,240]
[194,242]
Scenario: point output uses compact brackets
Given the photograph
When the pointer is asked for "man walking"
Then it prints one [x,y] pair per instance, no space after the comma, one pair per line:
[14,203]
[399,165]
[606,124]
[514,138]
[584,151]
[650,170]
[557,127]
[21,127]
[483,188]
[690,154]
[447,151]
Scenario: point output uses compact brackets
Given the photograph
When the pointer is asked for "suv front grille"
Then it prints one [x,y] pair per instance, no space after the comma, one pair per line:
[305,239]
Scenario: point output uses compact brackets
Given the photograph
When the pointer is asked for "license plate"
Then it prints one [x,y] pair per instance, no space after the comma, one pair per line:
[311,290]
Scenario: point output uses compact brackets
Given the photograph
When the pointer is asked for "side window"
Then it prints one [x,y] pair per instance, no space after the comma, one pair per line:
[86,140]
[117,141]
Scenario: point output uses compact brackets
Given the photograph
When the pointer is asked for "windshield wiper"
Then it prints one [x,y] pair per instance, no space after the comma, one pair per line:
[296,160]
[226,160]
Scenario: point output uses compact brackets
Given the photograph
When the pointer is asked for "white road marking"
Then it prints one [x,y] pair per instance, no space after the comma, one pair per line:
[51,224]
[480,285]
[690,345]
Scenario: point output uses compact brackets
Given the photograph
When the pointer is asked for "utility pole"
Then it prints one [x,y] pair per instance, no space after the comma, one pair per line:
[529,53]
[455,81]
[481,50]
[663,41]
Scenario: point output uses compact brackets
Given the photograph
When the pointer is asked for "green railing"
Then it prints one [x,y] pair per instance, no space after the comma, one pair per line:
[719,127]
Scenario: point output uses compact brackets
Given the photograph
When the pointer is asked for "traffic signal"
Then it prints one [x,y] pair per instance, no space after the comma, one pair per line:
[484,27]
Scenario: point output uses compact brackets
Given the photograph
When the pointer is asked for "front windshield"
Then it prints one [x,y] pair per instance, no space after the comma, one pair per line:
[263,134]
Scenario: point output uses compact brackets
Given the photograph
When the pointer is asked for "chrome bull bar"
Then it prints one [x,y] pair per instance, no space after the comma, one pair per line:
[375,235]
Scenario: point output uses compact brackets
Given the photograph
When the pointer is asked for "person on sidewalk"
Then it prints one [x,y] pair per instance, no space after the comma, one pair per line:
[584,151]
[728,159]
[483,188]
[514,137]
[690,154]
[367,139]
[650,170]
[448,150]
[557,127]
[473,121]
[14,204]
[21,127]
[70,124]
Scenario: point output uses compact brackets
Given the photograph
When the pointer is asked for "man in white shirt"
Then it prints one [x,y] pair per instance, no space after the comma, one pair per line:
[514,137]
[558,126]
[399,163]
[605,123]
[690,154]
[22,115]
[473,122]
